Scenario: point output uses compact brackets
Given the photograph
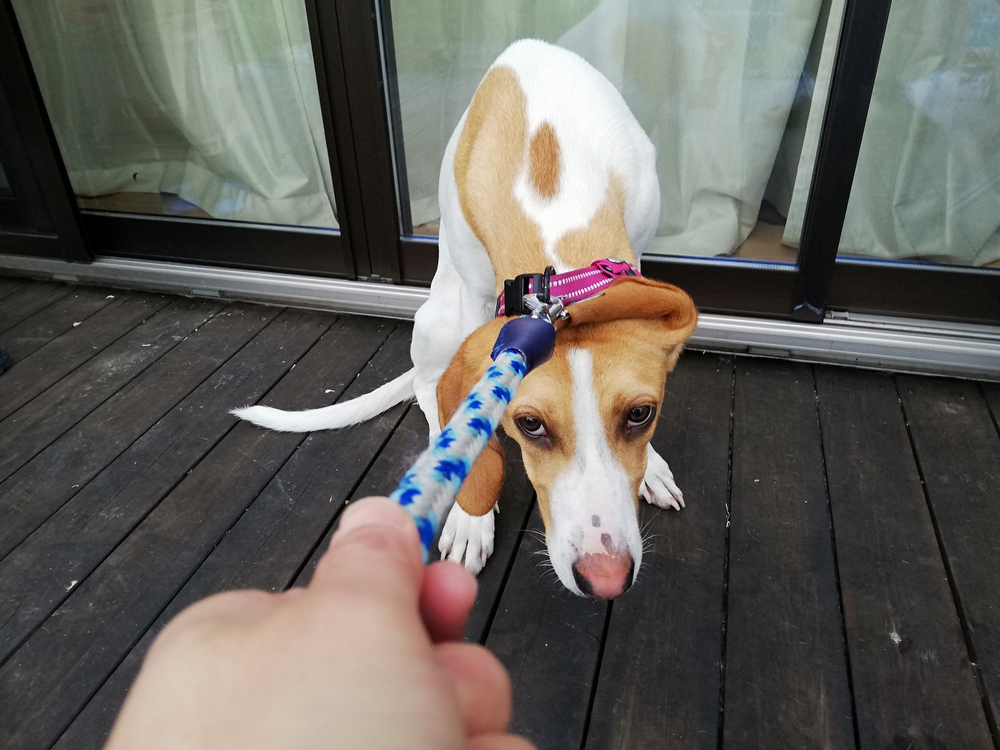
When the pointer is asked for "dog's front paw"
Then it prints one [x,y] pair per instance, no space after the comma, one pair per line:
[658,487]
[468,537]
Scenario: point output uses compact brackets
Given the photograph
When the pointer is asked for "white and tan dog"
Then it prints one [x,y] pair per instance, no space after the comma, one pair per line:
[546,167]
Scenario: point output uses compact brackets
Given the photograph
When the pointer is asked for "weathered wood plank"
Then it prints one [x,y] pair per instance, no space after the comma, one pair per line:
[48,680]
[9,285]
[402,449]
[36,577]
[786,669]
[25,301]
[268,544]
[913,683]
[958,450]
[991,391]
[42,485]
[35,425]
[516,501]
[77,346]
[32,334]
[660,678]
[549,640]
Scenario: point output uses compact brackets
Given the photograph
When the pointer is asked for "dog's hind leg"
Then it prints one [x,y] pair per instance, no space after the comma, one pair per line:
[658,486]
[452,312]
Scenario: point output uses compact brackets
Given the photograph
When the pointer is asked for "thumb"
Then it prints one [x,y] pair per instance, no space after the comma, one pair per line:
[374,552]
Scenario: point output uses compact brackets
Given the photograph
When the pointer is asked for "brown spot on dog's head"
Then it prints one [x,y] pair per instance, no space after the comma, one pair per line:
[544,160]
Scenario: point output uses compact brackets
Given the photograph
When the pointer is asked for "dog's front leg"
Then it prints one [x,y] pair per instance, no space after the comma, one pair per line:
[468,532]
[658,486]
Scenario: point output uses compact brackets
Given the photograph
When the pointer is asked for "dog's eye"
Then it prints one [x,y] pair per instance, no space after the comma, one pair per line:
[640,416]
[533,427]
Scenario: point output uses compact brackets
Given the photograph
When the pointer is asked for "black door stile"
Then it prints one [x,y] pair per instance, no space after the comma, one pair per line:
[48,221]
[359,42]
[324,34]
[839,145]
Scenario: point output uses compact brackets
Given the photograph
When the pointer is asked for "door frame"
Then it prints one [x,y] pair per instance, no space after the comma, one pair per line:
[48,225]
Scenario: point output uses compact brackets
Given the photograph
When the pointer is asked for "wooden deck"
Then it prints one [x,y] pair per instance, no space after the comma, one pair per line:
[833,583]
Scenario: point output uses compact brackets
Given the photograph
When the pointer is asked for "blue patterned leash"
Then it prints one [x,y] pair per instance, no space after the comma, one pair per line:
[428,489]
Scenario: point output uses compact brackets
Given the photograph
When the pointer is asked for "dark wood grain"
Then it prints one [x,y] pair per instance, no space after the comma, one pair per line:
[403,448]
[549,640]
[46,366]
[913,684]
[35,332]
[958,449]
[39,574]
[42,485]
[176,501]
[660,677]
[516,501]
[991,391]
[47,680]
[25,301]
[786,668]
[10,284]
[35,425]
[269,543]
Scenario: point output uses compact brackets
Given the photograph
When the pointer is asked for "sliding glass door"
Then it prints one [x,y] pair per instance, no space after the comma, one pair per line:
[307,136]
[921,233]
[205,115]
[735,97]
[35,217]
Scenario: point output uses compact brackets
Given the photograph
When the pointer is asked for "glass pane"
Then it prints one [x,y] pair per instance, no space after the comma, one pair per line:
[722,88]
[203,108]
[927,186]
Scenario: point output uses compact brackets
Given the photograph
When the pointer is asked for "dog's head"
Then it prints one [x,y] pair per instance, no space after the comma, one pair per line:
[584,420]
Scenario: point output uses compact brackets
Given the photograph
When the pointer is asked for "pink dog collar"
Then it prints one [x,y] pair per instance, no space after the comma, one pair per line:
[569,287]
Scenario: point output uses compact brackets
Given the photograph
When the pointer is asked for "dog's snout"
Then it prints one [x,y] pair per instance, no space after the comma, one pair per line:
[604,576]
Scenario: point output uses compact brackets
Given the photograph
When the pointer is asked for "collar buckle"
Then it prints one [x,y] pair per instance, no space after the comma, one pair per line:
[515,290]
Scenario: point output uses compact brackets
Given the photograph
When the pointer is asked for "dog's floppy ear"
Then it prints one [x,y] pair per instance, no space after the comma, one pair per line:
[482,487]
[637,298]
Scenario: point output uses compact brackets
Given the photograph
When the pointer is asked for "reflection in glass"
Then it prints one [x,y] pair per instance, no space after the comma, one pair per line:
[201,108]
[721,87]
[927,186]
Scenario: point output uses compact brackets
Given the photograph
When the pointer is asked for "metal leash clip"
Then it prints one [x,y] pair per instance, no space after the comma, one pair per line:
[550,310]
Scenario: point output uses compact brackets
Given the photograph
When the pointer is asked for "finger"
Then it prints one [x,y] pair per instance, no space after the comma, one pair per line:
[374,552]
[446,596]
[482,686]
[499,742]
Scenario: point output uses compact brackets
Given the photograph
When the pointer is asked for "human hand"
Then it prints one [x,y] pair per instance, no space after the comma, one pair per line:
[362,658]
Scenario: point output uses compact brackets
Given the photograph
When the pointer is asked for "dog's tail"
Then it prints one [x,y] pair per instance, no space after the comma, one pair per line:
[332,417]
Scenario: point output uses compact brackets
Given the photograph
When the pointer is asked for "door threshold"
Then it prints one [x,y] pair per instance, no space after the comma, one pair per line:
[898,344]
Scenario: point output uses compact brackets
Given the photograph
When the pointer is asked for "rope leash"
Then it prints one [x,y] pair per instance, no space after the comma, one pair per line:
[428,489]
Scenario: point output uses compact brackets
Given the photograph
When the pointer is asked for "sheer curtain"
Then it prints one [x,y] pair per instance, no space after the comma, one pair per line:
[711,81]
[213,100]
[927,185]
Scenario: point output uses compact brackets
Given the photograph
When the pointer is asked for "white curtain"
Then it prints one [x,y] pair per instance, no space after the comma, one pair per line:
[711,81]
[212,100]
[927,185]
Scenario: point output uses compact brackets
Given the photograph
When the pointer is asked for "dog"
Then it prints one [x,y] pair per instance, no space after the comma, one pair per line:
[547,167]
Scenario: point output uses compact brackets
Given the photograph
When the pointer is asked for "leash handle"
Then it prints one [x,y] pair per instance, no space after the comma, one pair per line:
[428,489]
